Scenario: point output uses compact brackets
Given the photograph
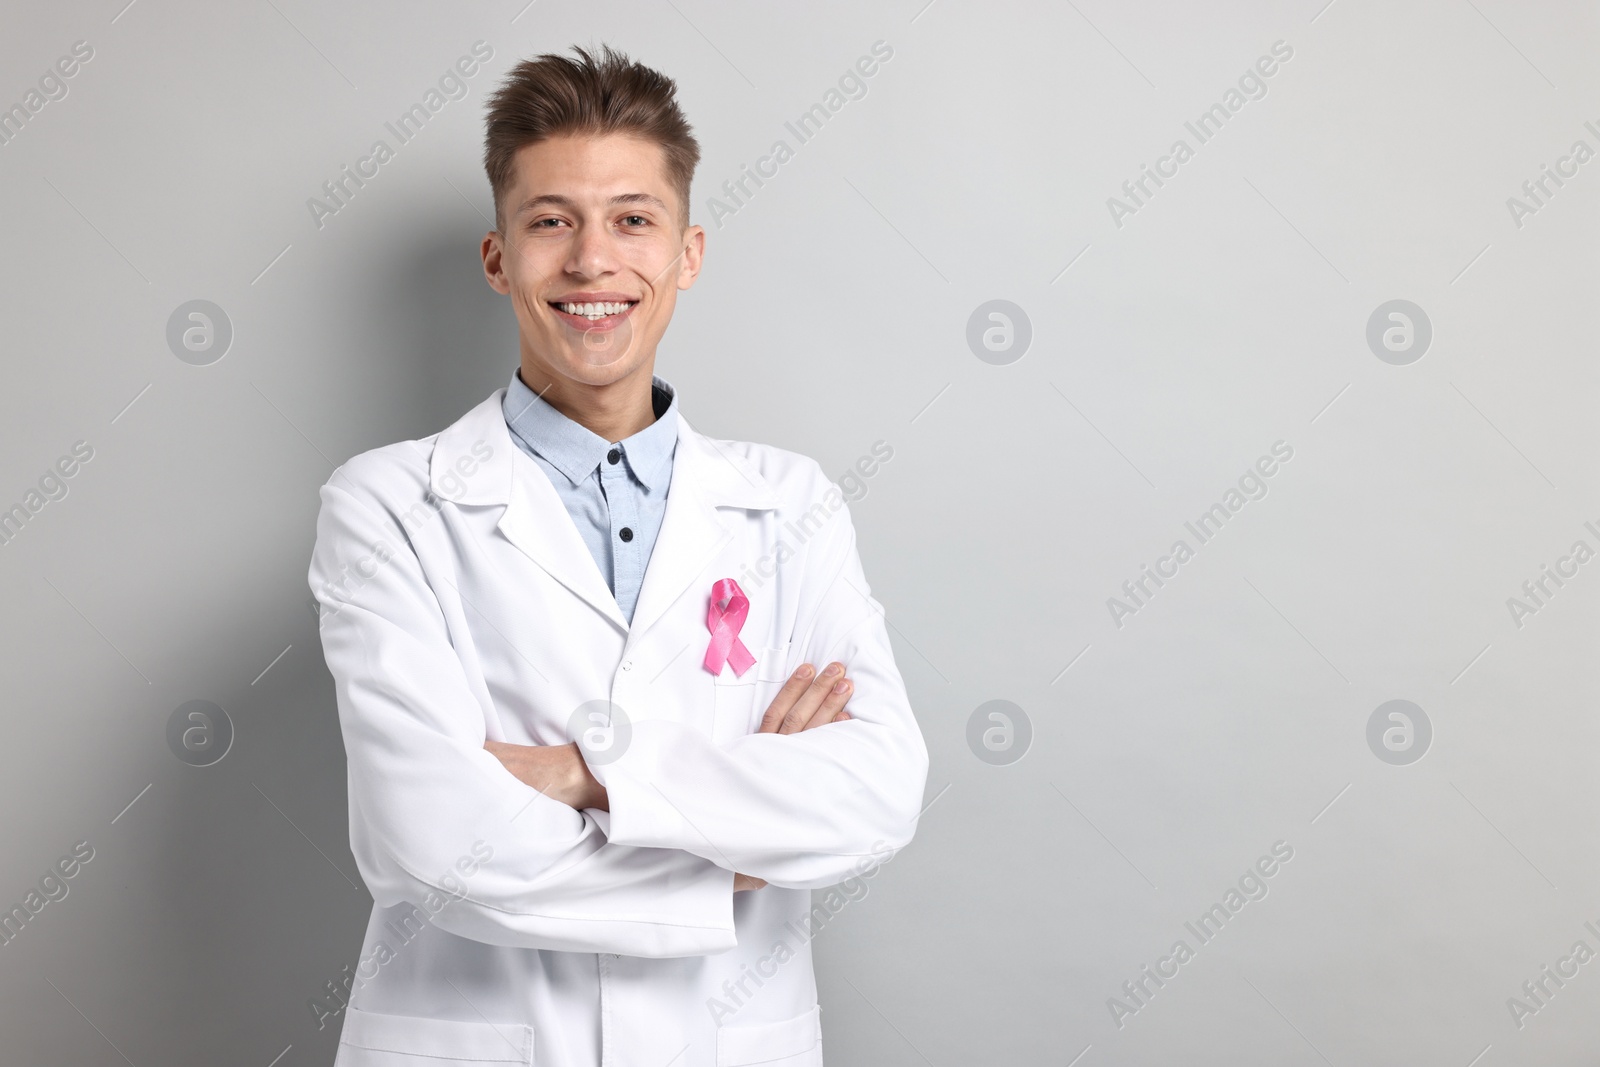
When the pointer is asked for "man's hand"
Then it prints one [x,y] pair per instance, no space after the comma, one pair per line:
[802,703]
[557,771]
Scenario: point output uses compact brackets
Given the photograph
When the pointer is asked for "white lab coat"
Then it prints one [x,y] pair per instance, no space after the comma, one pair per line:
[458,603]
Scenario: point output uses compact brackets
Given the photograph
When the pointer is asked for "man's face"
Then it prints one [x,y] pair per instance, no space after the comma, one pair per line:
[592,256]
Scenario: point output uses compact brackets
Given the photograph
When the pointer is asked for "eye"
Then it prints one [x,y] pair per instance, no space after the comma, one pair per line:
[539,224]
[635,220]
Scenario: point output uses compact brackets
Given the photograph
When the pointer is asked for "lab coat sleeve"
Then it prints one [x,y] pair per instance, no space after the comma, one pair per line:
[802,810]
[427,801]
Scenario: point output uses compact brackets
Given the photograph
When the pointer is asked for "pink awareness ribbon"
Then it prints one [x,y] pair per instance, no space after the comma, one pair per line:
[725,624]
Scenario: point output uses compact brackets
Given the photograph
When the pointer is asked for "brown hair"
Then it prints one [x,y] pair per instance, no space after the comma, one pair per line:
[552,95]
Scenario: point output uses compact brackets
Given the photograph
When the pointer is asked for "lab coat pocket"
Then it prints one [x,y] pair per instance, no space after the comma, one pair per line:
[742,701]
[793,1042]
[372,1039]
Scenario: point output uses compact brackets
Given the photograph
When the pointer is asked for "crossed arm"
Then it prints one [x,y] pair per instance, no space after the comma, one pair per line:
[642,855]
[559,771]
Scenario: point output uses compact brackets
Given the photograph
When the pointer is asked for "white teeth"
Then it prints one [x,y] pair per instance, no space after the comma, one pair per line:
[595,310]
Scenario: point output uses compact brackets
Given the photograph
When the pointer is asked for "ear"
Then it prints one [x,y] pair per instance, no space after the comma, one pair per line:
[694,250]
[493,252]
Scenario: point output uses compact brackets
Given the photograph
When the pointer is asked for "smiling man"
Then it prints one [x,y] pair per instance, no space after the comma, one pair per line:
[592,783]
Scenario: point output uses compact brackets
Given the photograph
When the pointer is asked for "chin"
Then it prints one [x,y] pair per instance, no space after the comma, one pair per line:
[603,375]
[578,369]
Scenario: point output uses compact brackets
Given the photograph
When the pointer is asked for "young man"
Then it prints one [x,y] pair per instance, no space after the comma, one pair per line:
[591,797]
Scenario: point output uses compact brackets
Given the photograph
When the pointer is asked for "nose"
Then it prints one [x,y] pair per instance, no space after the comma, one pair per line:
[593,253]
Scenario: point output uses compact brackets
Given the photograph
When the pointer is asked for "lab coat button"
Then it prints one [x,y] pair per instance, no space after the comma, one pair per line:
[628,666]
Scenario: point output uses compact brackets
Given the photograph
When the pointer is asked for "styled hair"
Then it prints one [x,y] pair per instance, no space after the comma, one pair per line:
[552,95]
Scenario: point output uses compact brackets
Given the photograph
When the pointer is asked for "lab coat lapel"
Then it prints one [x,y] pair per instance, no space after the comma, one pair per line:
[534,520]
[475,462]
[706,475]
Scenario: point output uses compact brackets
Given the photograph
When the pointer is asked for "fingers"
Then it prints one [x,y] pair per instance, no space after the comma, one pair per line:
[832,709]
[797,684]
[822,700]
[804,703]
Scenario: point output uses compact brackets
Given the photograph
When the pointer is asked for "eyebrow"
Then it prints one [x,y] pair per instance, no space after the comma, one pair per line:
[557,200]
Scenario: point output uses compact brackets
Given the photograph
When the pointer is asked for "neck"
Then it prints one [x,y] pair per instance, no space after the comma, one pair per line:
[614,411]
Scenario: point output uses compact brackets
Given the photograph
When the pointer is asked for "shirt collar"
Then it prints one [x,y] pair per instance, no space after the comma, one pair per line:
[575,450]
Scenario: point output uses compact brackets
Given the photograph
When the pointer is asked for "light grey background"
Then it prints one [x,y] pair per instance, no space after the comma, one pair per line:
[1168,353]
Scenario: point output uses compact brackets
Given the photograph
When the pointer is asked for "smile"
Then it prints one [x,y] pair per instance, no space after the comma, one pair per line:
[594,313]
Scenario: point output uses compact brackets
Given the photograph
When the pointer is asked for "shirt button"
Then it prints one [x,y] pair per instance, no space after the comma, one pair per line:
[625,533]
[613,456]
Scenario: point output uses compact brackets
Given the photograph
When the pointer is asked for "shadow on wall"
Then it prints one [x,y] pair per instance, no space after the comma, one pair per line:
[454,339]
[265,904]
[257,902]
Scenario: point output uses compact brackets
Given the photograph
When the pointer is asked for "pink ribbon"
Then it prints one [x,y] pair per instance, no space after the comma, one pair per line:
[725,624]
